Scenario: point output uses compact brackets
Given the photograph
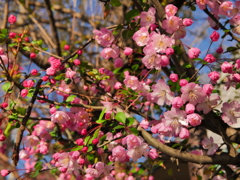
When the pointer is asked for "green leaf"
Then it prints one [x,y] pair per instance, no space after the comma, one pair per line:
[127,34]
[121,117]
[170,172]
[13,44]
[90,148]
[119,127]
[100,121]
[135,67]
[103,138]
[96,133]
[231,48]
[193,8]
[6,86]
[238,86]
[129,121]
[38,165]
[187,65]
[21,110]
[90,157]
[26,48]
[2,37]
[70,98]
[77,148]
[131,14]
[4,31]
[86,140]
[134,131]
[117,29]
[115,3]
[199,177]
[34,174]
[102,114]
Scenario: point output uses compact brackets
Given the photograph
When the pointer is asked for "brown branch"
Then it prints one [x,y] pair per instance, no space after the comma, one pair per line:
[220,25]
[5,14]
[45,34]
[15,156]
[53,27]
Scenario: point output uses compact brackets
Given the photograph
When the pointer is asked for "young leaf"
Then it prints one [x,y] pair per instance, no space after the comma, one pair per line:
[121,117]
[131,14]
[115,3]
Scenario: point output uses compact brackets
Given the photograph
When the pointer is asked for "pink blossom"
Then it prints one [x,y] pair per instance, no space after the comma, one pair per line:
[180,33]
[4,105]
[2,137]
[194,119]
[197,152]
[171,24]
[144,124]
[67,163]
[193,53]
[230,112]
[24,154]
[34,72]
[226,67]
[161,93]
[70,73]
[219,50]
[59,117]
[153,154]
[45,78]
[148,18]
[183,82]
[33,55]
[2,51]
[66,47]
[12,19]
[212,23]
[170,10]
[55,63]
[28,83]
[12,35]
[192,93]
[177,102]
[187,22]
[202,3]
[208,144]
[210,58]
[207,88]
[236,77]
[152,60]
[5,172]
[118,63]
[214,76]
[30,141]
[137,152]
[103,37]
[169,51]
[173,77]
[225,7]
[128,51]
[41,132]
[160,43]
[42,147]
[76,62]
[117,85]
[235,21]
[50,71]
[47,124]
[132,141]
[214,36]
[175,118]
[190,108]
[131,82]
[141,37]
[184,133]
[108,53]
[119,154]
[153,27]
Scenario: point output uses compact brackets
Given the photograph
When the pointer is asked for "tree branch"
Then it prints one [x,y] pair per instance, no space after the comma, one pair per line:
[53,27]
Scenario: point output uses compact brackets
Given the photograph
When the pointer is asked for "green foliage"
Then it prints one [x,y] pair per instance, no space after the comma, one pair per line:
[121,117]
[115,3]
[131,14]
